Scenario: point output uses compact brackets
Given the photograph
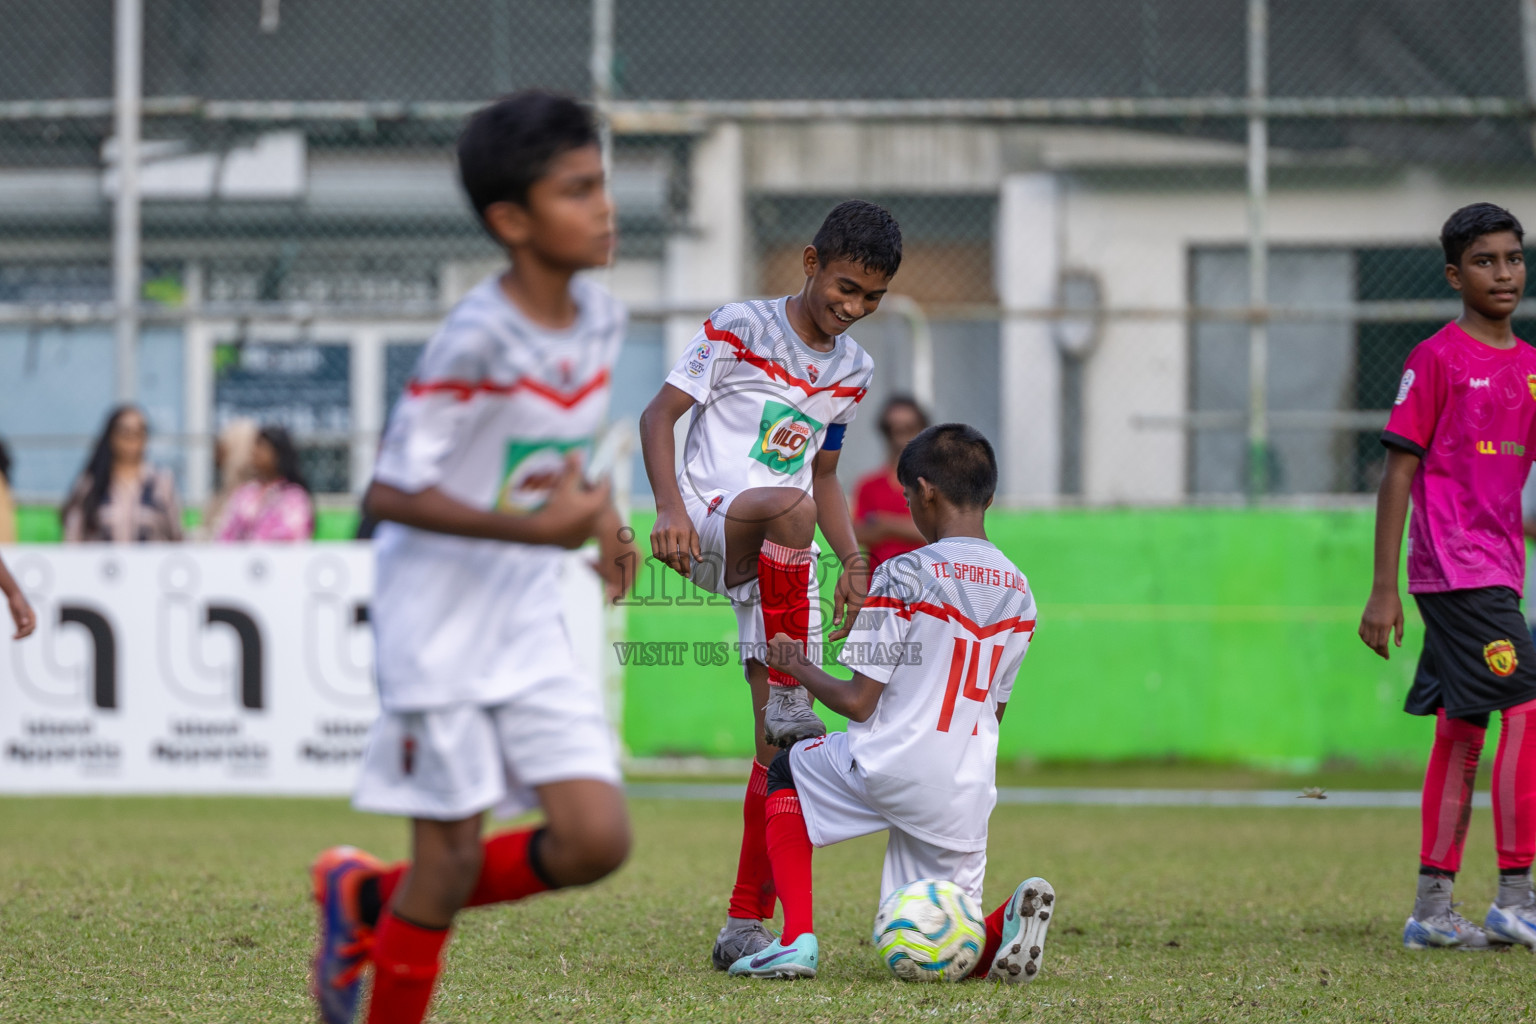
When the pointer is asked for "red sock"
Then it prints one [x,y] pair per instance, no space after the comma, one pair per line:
[789,850]
[406,959]
[506,872]
[1447,802]
[753,895]
[1514,789]
[784,587]
[994,940]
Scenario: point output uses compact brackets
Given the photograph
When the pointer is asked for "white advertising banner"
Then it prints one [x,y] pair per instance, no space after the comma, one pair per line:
[200,668]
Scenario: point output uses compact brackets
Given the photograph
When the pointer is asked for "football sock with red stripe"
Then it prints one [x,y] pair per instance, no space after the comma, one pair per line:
[1447,802]
[1514,789]
[406,959]
[789,850]
[994,940]
[753,894]
[509,870]
[784,586]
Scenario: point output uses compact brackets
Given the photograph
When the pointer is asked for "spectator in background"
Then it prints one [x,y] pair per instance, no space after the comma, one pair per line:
[7,503]
[120,496]
[276,505]
[881,521]
[234,461]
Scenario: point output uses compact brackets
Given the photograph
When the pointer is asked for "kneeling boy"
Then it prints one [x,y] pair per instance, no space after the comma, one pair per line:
[919,758]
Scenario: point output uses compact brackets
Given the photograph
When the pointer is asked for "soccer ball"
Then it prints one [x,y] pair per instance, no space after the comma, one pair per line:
[930,930]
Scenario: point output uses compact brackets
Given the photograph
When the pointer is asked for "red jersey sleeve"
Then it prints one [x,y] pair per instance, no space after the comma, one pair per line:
[1420,400]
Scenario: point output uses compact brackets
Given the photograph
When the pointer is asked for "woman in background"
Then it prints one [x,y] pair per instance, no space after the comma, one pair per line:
[276,505]
[120,496]
[234,456]
[7,502]
[881,521]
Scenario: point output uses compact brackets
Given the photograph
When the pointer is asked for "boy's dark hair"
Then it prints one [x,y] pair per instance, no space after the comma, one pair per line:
[955,458]
[5,462]
[900,402]
[1470,223]
[861,233]
[509,145]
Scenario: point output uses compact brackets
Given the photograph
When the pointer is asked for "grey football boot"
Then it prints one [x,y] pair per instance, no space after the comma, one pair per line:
[740,937]
[788,718]
[1435,922]
[1512,918]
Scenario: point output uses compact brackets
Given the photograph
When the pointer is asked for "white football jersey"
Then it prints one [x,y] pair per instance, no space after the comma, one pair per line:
[765,399]
[945,628]
[493,407]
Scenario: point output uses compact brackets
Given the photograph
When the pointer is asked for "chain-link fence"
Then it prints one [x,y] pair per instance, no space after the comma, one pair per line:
[1084,189]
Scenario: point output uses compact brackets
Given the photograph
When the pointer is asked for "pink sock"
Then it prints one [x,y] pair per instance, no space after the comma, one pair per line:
[1514,788]
[1447,802]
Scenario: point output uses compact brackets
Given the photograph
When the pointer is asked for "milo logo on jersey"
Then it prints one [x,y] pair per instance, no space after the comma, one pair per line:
[785,436]
[530,472]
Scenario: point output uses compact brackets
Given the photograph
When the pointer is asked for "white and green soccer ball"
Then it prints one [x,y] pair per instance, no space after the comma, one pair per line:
[930,930]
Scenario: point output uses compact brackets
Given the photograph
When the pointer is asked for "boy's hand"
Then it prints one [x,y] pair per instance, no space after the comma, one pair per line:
[617,558]
[851,593]
[571,514]
[784,653]
[22,615]
[1382,618]
[674,540]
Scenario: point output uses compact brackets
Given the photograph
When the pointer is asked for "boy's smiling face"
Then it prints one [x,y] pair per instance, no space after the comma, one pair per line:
[1491,275]
[840,293]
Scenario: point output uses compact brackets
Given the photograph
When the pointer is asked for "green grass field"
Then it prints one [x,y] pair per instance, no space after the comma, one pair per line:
[196,910]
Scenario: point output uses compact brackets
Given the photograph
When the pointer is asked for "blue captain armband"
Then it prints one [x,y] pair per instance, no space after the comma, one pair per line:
[834,439]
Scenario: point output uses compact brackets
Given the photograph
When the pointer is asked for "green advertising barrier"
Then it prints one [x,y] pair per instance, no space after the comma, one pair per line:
[1211,634]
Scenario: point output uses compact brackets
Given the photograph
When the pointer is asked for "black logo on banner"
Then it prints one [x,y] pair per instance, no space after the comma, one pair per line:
[103,649]
[251,684]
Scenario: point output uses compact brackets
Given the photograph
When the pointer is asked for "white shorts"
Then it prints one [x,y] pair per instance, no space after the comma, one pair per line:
[451,763]
[835,806]
[708,515]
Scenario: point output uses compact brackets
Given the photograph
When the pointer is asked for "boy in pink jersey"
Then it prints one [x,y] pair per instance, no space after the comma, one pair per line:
[934,655]
[1459,443]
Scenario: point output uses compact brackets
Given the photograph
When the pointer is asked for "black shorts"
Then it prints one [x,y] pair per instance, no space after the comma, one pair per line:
[1477,657]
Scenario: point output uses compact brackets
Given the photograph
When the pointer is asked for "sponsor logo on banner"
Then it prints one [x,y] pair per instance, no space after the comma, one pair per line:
[784,438]
[186,668]
[1407,382]
[1500,656]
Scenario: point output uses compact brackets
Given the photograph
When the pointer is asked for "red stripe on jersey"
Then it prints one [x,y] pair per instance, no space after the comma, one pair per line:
[464,390]
[776,371]
[950,613]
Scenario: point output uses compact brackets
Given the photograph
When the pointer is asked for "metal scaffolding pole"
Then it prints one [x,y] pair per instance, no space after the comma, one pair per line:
[129,42]
[1258,252]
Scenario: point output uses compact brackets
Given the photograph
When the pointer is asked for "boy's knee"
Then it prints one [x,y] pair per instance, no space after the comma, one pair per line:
[594,850]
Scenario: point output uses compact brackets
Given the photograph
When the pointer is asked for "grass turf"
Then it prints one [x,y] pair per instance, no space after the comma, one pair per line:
[150,909]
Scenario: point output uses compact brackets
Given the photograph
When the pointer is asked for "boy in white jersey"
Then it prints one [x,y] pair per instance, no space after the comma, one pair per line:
[770,387]
[478,488]
[934,655]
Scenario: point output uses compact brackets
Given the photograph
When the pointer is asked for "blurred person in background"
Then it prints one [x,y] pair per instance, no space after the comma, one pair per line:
[120,496]
[7,503]
[881,520]
[234,462]
[276,505]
